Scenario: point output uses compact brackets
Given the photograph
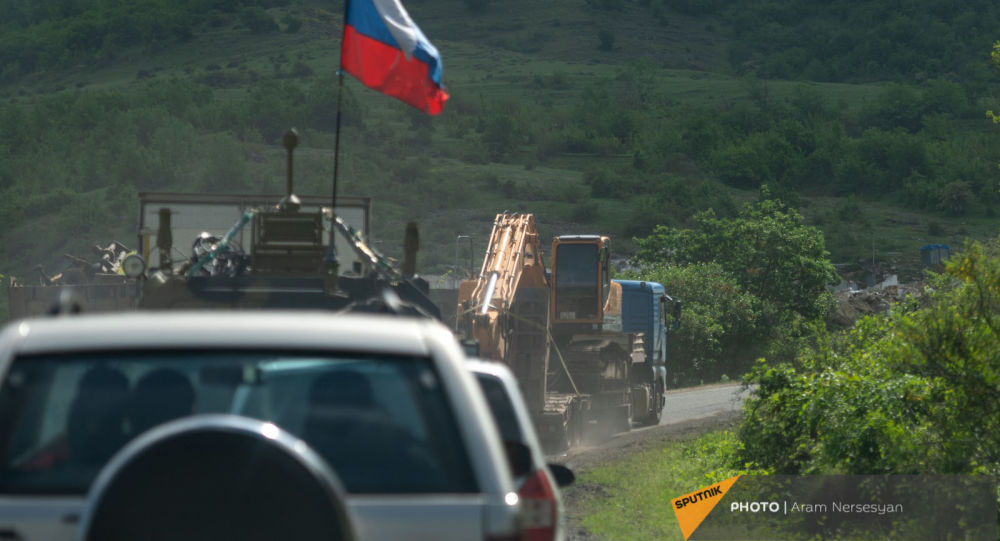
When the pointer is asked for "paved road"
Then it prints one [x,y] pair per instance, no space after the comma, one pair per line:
[702,402]
[687,410]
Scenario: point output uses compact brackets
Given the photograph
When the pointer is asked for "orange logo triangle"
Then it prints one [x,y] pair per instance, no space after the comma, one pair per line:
[691,509]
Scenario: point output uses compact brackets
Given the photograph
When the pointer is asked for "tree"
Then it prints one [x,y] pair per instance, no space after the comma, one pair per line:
[767,248]
[718,324]
[956,198]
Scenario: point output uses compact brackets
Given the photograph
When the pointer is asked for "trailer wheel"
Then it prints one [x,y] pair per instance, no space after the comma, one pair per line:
[574,430]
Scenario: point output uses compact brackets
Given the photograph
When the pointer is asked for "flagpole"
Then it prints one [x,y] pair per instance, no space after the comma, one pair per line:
[336,137]
[331,252]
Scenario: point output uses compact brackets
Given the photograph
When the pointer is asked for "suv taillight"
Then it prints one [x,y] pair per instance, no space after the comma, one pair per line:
[538,508]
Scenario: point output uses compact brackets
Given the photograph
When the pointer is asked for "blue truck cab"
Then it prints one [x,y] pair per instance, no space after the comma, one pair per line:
[644,309]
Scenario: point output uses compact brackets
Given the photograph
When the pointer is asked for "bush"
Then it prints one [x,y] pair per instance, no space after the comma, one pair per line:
[274,107]
[322,102]
[611,5]
[602,184]
[718,326]
[572,193]
[585,212]
[956,198]
[848,210]
[301,69]
[760,158]
[292,24]
[915,391]
[477,6]
[606,39]
[225,165]
[257,20]
[500,133]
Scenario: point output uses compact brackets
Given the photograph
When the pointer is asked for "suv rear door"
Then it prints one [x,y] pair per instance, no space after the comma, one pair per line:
[420,466]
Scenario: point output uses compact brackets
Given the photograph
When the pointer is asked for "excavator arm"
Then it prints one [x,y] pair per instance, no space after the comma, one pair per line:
[505,309]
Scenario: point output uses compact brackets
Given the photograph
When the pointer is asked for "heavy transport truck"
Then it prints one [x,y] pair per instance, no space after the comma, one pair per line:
[589,352]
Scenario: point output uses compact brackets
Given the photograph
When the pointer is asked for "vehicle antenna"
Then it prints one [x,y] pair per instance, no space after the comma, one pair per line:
[290,203]
[291,140]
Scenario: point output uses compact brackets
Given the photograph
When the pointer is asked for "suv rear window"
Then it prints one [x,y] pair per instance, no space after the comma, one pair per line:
[501,407]
[382,422]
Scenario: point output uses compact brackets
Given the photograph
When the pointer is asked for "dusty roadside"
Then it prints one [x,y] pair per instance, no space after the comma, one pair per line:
[581,460]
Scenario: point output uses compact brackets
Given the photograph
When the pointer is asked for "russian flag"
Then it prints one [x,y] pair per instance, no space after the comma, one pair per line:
[386,51]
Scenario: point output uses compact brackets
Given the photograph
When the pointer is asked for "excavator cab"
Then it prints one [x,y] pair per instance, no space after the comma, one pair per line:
[581,278]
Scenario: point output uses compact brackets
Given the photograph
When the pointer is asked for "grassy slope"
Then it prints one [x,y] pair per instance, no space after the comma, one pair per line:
[630,498]
[490,57]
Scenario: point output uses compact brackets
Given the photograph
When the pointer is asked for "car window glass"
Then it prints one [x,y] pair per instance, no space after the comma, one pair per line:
[501,406]
[383,423]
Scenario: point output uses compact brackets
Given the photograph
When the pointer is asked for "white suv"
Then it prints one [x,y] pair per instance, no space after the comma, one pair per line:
[386,400]
[538,483]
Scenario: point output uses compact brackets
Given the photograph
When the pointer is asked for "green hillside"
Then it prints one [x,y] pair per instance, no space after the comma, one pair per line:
[606,116]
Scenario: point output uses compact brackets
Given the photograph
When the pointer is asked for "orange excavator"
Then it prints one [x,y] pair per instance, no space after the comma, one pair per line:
[589,352]
[505,311]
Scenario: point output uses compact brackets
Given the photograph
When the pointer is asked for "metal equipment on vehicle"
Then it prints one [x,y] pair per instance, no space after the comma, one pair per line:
[293,262]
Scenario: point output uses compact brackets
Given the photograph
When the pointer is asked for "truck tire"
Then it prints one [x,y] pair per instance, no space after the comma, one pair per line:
[653,418]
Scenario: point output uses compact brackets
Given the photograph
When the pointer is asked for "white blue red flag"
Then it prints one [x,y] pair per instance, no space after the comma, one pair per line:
[386,51]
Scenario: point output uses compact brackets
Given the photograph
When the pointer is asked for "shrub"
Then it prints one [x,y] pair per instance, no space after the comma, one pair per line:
[258,20]
[718,321]
[611,5]
[477,5]
[606,40]
[585,212]
[225,165]
[301,69]
[602,184]
[914,391]
[956,198]
[572,193]
[292,24]
[500,134]
[848,210]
